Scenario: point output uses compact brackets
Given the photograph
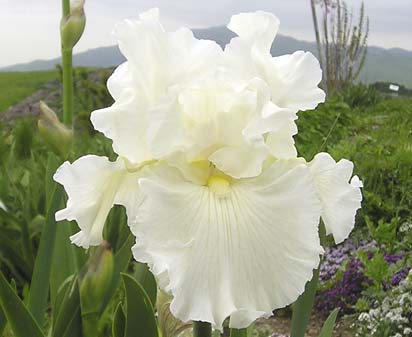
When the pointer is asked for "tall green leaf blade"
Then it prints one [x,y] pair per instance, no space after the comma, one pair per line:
[121,261]
[119,322]
[3,321]
[140,317]
[65,251]
[39,289]
[67,315]
[329,324]
[146,279]
[10,250]
[21,321]
[61,295]
[302,308]
[49,184]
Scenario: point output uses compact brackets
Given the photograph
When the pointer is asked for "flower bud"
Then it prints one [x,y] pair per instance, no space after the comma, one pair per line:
[54,132]
[72,25]
[95,280]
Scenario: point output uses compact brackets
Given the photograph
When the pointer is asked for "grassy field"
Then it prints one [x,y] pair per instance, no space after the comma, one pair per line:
[15,86]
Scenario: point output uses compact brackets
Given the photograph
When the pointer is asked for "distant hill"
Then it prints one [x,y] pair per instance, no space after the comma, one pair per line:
[99,57]
[389,65]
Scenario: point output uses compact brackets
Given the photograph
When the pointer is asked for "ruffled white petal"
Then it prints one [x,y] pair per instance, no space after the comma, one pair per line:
[215,113]
[242,318]
[239,252]
[211,122]
[281,143]
[125,123]
[240,161]
[197,172]
[340,195]
[277,127]
[145,87]
[295,85]
[257,28]
[293,79]
[166,133]
[93,185]
[121,80]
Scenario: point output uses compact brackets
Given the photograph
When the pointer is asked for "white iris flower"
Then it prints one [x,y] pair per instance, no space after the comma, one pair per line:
[223,211]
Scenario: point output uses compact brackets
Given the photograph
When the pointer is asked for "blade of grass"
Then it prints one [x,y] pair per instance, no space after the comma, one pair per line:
[19,318]
[329,324]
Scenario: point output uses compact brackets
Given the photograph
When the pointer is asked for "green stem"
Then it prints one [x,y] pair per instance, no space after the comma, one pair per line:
[90,324]
[302,308]
[238,332]
[67,66]
[202,329]
[66,7]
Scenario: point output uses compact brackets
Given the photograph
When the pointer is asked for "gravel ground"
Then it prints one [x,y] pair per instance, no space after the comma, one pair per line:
[278,326]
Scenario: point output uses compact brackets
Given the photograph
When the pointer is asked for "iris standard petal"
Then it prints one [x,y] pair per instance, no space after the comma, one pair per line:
[238,248]
[293,79]
[340,195]
[256,28]
[281,143]
[93,185]
[295,85]
[240,161]
[121,80]
[125,124]
[158,64]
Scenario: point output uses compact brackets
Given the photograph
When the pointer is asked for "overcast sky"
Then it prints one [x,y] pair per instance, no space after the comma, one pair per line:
[29,28]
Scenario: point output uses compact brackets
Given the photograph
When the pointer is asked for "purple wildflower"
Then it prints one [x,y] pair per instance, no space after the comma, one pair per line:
[399,276]
[346,291]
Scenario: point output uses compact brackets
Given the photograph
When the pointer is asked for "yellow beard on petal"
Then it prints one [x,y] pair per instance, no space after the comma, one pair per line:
[218,185]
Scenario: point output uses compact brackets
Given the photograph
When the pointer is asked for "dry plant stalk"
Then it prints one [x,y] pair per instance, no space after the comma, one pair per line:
[342,44]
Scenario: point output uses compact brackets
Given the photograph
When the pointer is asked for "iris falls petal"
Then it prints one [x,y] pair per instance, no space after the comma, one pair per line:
[93,185]
[340,195]
[239,248]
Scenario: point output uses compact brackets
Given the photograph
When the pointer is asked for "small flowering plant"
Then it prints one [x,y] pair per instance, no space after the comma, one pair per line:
[392,317]
[224,211]
[356,276]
